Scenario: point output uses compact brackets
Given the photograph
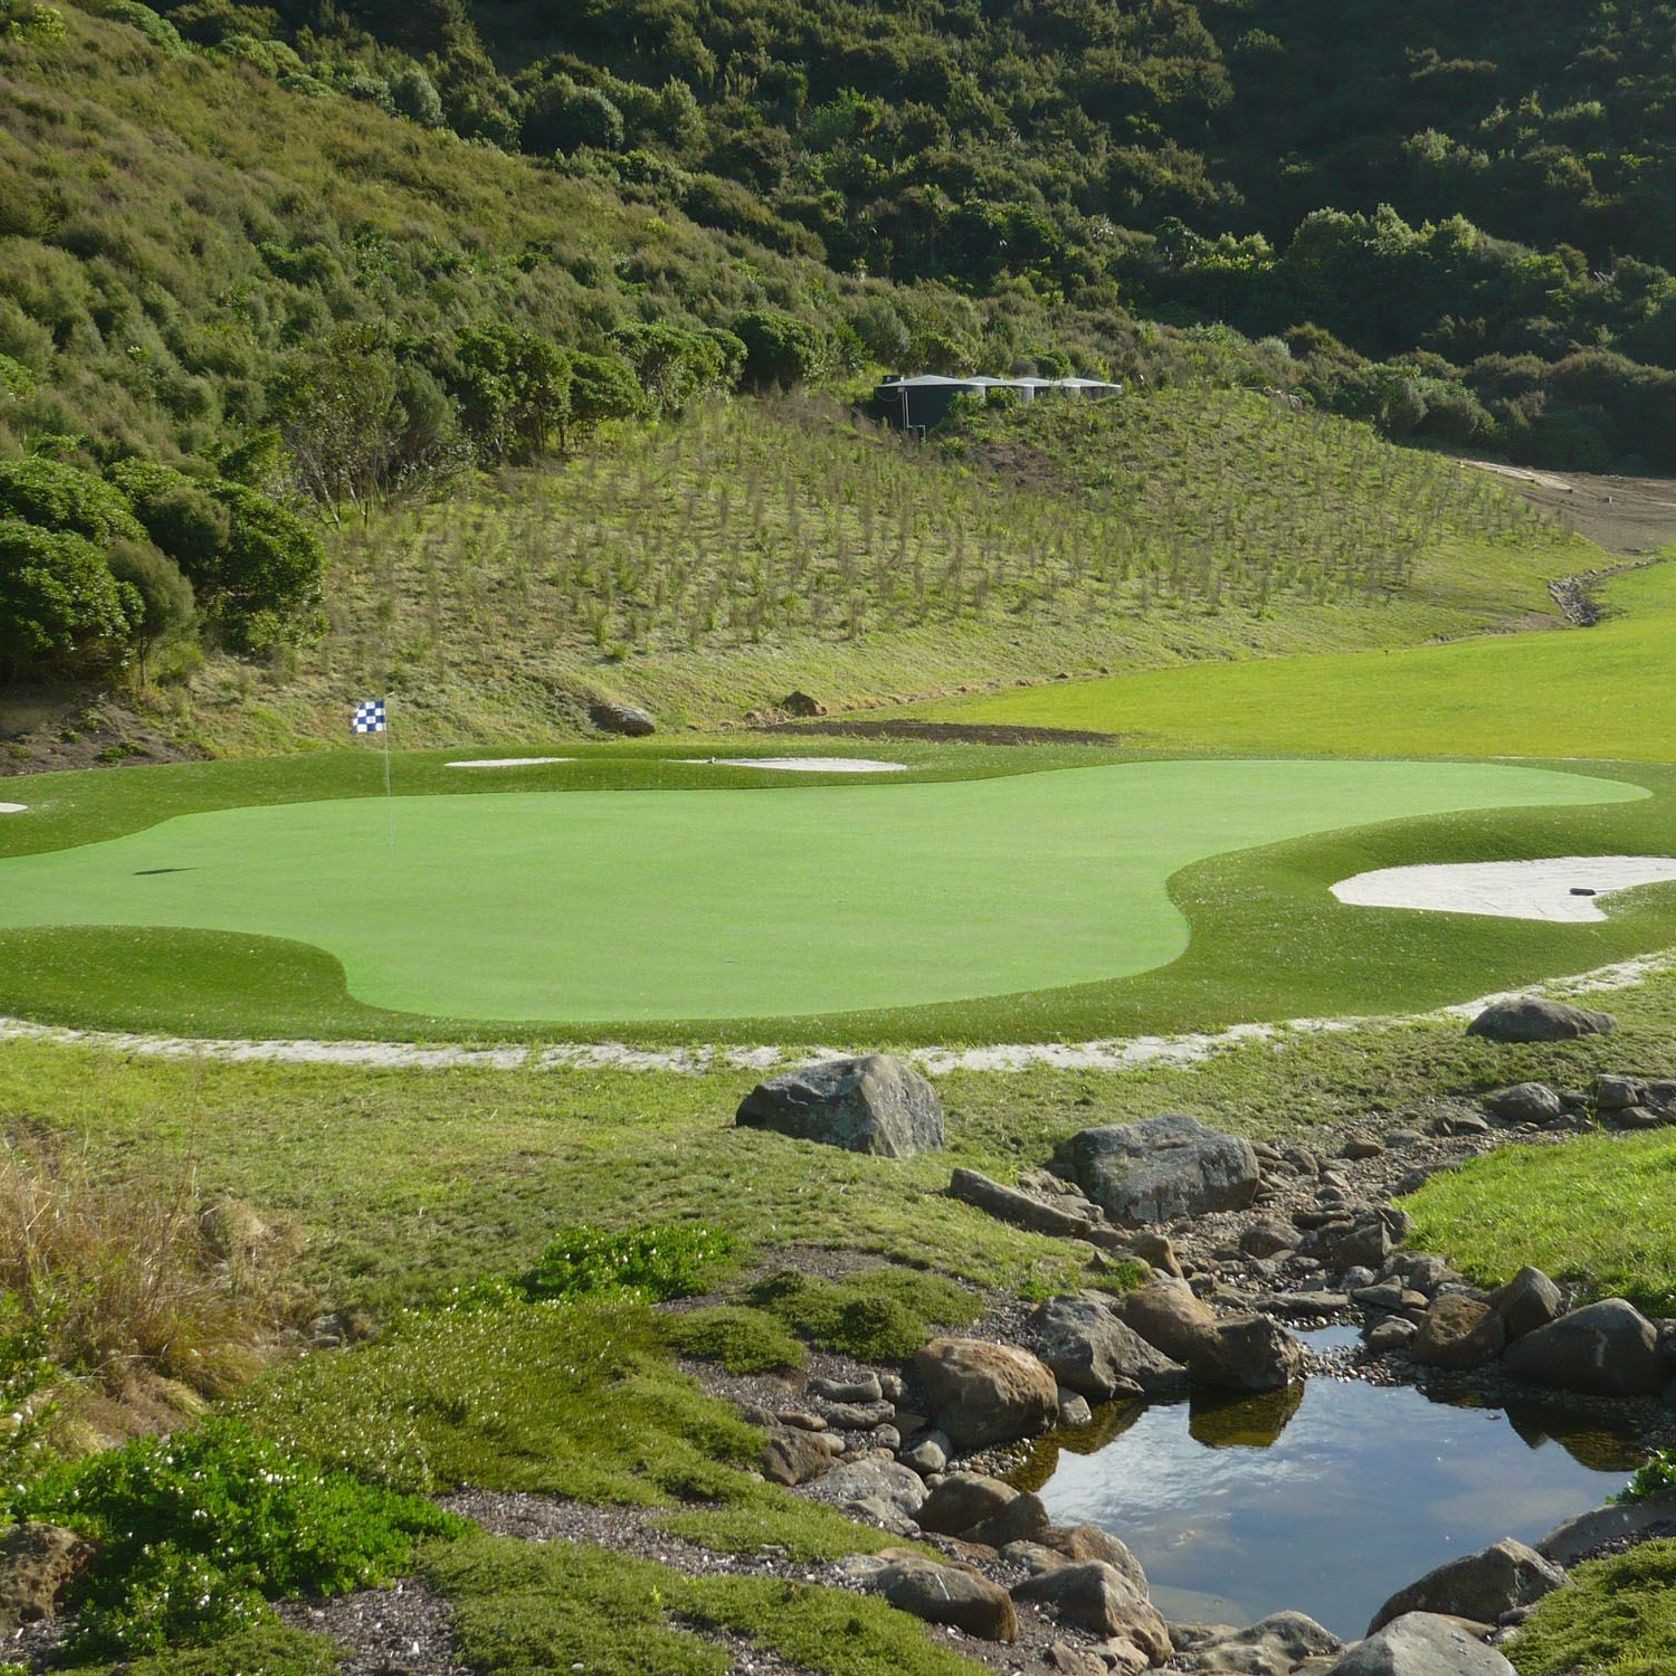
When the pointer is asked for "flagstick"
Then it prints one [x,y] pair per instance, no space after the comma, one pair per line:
[389,798]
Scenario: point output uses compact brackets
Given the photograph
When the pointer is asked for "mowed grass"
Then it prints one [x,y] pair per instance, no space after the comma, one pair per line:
[1599,1212]
[611,907]
[1590,693]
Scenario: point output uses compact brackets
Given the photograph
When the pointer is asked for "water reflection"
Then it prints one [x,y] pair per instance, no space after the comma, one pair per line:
[1326,1497]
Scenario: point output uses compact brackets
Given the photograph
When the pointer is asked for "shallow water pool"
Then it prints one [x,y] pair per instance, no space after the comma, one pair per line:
[1326,1498]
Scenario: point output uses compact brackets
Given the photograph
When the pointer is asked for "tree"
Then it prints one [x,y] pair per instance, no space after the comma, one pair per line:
[180,515]
[675,366]
[61,609]
[514,391]
[602,387]
[337,410]
[564,116]
[55,496]
[166,608]
[780,349]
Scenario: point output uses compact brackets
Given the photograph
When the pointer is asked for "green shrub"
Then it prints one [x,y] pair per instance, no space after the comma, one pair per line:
[60,606]
[156,29]
[195,1530]
[65,499]
[739,1340]
[876,1315]
[672,1262]
[1656,1478]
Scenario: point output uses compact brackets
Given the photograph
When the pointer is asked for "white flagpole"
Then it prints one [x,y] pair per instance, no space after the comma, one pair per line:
[389,796]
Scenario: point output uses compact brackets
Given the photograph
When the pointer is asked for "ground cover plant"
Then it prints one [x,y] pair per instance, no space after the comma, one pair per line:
[1577,693]
[1593,1213]
[607,943]
[1619,1620]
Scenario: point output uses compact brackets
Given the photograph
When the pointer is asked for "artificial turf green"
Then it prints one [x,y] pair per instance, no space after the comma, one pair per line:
[598,907]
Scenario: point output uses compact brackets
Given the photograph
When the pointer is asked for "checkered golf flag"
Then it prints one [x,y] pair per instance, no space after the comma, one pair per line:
[369,717]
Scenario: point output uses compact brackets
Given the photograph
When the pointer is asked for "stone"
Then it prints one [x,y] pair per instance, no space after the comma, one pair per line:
[1484,1587]
[1576,1539]
[1099,1598]
[873,1104]
[1074,1658]
[1247,1353]
[1074,1409]
[1096,1355]
[1023,1519]
[1618,1093]
[954,1595]
[791,1456]
[800,703]
[1273,1646]
[1461,1124]
[1366,1243]
[1636,1117]
[38,1566]
[1607,1349]
[1533,1019]
[1458,1332]
[1422,1644]
[1525,1102]
[965,1499]
[1160,1168]
[1387,1295]
[1021,1210]
[982,1393]
[1420,1270]
[1167,1315]
[857,1416]
[858,1484]
[887,1437]
[1528,1301]
[928,1453]
[865,1390]
[609,716]
[1078,1544]
[1358,1147]
[1157,1252]
[1307,1305]
[1269,1237]
[1393,1333]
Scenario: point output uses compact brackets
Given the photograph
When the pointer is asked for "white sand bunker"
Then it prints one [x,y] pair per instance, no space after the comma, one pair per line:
[507,762]
[807,765]
[1565,890]
[12,808]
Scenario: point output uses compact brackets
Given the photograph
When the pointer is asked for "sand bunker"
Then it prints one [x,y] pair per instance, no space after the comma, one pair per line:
[12,808]
[1565,890]
[507,762]
[807,765]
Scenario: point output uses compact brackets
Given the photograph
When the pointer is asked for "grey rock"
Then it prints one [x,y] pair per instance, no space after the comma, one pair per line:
[1528,1301]
[39,1565]
[928,1453]
[1459,1124]
[982,1393]
[1366,1243]
[887,1437]
[1458,1332]
[1098,1597]
[1247,1353]
[609,716]
[1616,1093]
[1484,1587]
[1157,1252]
[1307,1304]
[957,1596]
[965,1499]
[1160,1168]
[1269,1237]
[1393,1333]
[848,1390]
[791,1456]
[874,1104]
[855,1416]
[1074,1409]
[1525,1102]
[1022,1210]
[1533,1019]
[1097,1355]
[856,1484]
[1081,1543]
[1422,1644]
[1168,1316]
[1576,1539]
[1278,1645]
[1607,1349]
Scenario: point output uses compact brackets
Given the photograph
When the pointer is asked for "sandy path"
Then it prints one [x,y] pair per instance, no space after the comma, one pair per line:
[1112,1054]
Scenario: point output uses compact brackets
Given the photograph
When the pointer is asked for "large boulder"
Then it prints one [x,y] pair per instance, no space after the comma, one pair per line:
[980,1509]
[1525,1102]
[1100,1598]
[613,716]
[38,1566]
[948,1594]
[1159,1169]
[1422,1644]
[1484,1587]
[873,1488]
[1067,1217]
[1168,1316]
[1609,1349]
[873,1104]
[1532,1019]
[982,1393]
[1082,1543]
[1276,1645]
[1247,1353]
[1458,1332]
[794,1456]
[1528,1301]
[1098,1356]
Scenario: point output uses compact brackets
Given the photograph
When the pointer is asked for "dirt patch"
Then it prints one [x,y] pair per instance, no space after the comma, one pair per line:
[1629,515]
[947,733]
[48,729]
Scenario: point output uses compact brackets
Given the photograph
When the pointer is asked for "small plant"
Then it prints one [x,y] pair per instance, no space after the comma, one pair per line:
[196,1531]
[1656,1478]
[655,1263]
[739,1340]
[877,1315]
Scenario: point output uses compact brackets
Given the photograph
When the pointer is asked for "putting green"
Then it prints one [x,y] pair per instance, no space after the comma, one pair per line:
[636,906]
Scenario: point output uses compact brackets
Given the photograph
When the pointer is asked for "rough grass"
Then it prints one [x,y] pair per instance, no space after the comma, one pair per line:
[520,1608]
[1599,1212]
[737,1340]
[1585,693]
[1619,1620]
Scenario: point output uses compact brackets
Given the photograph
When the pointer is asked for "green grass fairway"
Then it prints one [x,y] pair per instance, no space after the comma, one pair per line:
[605,907]
[1603,692]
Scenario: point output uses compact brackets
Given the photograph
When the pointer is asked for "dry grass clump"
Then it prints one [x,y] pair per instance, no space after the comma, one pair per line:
[136,1279]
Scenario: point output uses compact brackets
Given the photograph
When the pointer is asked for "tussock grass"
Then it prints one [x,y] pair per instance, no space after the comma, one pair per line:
[133,1277]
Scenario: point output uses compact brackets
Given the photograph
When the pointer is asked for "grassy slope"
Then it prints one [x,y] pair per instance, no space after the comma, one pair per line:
[710,566]
[1583,693]
[590,908]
